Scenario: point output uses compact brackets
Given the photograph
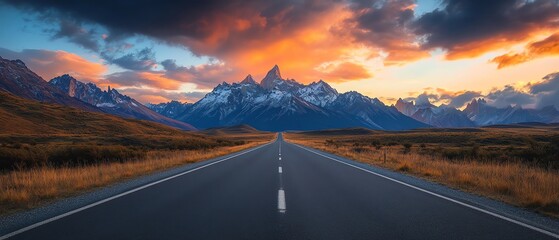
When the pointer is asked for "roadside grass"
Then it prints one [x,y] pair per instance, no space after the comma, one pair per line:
[29,188]
[530,183]
[50,151]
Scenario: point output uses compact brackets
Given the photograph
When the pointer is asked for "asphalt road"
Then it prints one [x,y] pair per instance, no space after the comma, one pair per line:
[257,195]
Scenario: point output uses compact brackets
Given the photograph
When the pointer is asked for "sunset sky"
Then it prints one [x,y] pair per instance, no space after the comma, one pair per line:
[448,51]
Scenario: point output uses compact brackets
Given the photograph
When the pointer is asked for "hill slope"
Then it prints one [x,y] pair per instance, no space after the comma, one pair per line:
[24,116]
[111,101]
[17,79]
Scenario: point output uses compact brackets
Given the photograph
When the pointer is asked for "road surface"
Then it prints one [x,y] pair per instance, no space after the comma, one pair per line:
[280,191]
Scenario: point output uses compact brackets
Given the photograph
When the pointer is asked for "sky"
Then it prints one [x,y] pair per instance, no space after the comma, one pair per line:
[443,51]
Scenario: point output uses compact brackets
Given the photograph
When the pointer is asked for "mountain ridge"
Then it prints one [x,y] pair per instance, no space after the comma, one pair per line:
[277,104]
[19,80]
[476,113]
[112,102]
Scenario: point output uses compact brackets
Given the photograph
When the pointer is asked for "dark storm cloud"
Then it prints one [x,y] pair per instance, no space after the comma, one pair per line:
[76,33]
[141,60]
[385,25]
[471,26]
[182,21]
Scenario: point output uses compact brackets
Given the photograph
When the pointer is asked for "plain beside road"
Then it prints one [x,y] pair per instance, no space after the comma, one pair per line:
[314,196]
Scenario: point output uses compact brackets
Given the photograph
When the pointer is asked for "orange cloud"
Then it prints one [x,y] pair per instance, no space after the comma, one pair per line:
[347,71]
[546,47]
[477,48]
[141,79]
[49,64]
[152,99]
[298,54]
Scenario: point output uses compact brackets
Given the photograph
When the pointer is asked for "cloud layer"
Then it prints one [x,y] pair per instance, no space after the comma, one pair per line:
[536,94]
[50,64]
[310,39]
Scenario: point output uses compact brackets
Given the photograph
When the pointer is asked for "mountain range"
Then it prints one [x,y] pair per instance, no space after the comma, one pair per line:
[18,80]
[477,113]
[273,104]
[277,104]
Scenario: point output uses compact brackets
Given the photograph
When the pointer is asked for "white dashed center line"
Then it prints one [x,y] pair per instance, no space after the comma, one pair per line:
[281,201]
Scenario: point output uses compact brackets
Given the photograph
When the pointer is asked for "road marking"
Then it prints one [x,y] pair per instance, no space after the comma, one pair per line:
[546,232]
[281,201]
[126,193]
[280,158]
[279,170]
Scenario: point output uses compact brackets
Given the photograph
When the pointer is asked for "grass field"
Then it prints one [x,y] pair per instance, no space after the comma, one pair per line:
[516,164]
[48,151]
[28,188]
[70,165]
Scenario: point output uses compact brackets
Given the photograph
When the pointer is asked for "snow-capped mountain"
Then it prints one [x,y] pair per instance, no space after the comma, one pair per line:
[111,101]
[274,81]
[318,93]
[170,109]
[476,113]
[484,114]
[18,80]
[277,104]
[442,116]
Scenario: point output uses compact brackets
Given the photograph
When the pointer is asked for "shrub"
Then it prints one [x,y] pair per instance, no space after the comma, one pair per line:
[407,147]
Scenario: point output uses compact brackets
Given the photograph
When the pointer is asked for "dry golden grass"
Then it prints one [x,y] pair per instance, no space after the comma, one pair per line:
[24,189]
[516,183]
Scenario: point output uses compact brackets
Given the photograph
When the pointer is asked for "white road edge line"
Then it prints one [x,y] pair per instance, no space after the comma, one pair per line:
[281,201]
[546,232]
[123,194]
[279,170]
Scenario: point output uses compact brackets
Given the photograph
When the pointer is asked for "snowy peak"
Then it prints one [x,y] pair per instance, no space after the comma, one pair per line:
[274,73]
[111,101]
[318,93]
[19,63]
[248,80]
[473,107]
[65,83]
[273,78]
[441,116]
[170,109]
[18,80]
[278,104]
[407,108]
[322,86]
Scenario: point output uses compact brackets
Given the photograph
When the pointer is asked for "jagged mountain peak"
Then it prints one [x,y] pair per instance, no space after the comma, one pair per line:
[279,104]
[402,101]
[272,78]
[17,79]
[19,63]
[111,101]
[275,71]
[248,80]
[63,79]
[322,85]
